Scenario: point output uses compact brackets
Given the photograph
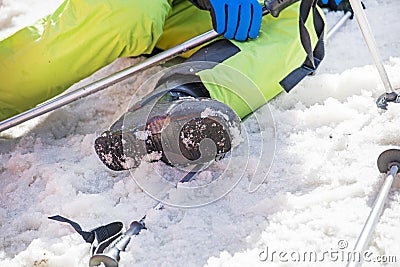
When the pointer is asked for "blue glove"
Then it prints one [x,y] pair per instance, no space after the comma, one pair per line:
[325,2]
[236,19]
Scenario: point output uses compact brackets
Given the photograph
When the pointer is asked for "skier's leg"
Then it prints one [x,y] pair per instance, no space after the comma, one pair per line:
[238,76]
[81,36]
[170,125]
[184,22]
[120,148]
[249,73]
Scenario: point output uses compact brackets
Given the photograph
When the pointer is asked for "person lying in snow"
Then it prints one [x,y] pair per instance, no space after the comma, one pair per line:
[81,36]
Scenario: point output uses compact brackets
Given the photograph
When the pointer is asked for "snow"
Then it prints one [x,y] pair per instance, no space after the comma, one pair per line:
[317,195]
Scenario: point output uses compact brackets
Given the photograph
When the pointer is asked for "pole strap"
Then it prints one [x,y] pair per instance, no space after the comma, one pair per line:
[100,237]
[314,57]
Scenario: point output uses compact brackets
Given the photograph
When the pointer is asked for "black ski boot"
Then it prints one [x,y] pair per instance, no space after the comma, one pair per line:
[180,126]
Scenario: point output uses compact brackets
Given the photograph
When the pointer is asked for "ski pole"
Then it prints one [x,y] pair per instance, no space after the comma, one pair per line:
[390,95]
[111,257]
[108,81]
[339,24]
[273,7]
[388,161]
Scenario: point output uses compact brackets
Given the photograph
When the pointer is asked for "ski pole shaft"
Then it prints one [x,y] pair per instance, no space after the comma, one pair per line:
[272,7]
[101,84]
[110,80]
[370,224]
[370,40]
[187,178]
[338,24]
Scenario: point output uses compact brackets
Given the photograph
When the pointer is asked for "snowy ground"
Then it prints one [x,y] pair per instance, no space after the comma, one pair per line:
[320,189]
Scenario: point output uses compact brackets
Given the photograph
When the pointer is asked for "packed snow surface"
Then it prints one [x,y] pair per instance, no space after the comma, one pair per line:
[316,197]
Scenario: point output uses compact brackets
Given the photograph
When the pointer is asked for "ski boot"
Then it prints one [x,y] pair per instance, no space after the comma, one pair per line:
[178,123]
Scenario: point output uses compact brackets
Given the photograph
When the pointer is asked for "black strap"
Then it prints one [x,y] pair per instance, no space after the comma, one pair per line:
[100,237]
[314,57]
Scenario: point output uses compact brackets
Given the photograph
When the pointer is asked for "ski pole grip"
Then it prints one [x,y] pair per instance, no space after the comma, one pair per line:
[276,6]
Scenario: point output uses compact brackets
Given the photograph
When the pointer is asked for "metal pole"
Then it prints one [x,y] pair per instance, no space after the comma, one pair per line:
[370,40]
[99,85]
[338,24]
[369,226]
[106,82]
